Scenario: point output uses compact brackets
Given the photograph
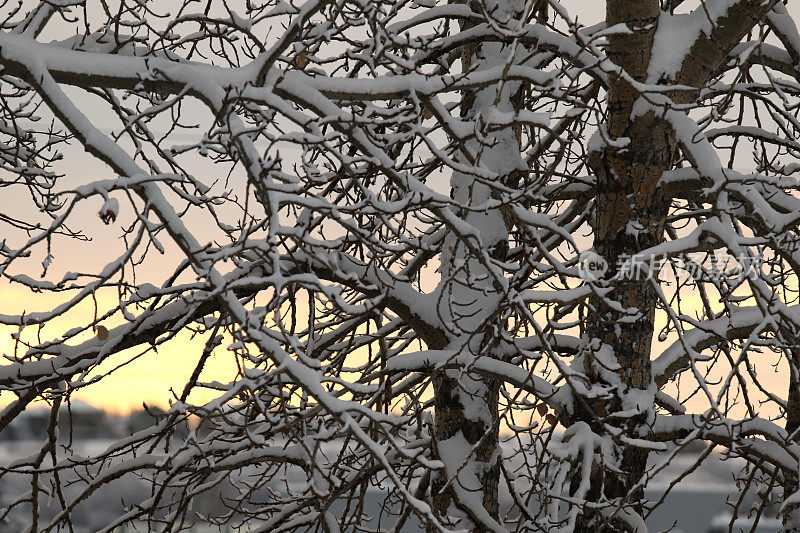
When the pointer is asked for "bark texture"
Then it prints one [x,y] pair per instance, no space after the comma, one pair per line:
[466,404]
[630,215]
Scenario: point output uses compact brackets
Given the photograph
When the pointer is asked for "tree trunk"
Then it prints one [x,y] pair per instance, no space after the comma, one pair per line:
[466,404]
[630,216]
[469,443]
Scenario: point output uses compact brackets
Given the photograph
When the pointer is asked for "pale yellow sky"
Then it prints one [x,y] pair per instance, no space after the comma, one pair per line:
[148,378]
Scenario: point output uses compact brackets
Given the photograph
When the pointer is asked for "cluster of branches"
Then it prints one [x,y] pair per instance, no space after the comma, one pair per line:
[386,240]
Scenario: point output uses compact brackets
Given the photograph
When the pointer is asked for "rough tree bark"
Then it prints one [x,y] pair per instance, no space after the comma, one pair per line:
[630,216]
[466,404]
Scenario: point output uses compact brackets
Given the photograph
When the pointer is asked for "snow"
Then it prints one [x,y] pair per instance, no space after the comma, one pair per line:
[109,210]
[674,37]
[308,232]
[740,324]
[782,22]
[462,477]
[693,141]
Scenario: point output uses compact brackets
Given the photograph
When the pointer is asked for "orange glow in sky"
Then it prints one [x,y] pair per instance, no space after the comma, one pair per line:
[147,378]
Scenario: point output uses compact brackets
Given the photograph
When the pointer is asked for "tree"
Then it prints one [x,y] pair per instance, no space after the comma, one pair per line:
[453,249]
